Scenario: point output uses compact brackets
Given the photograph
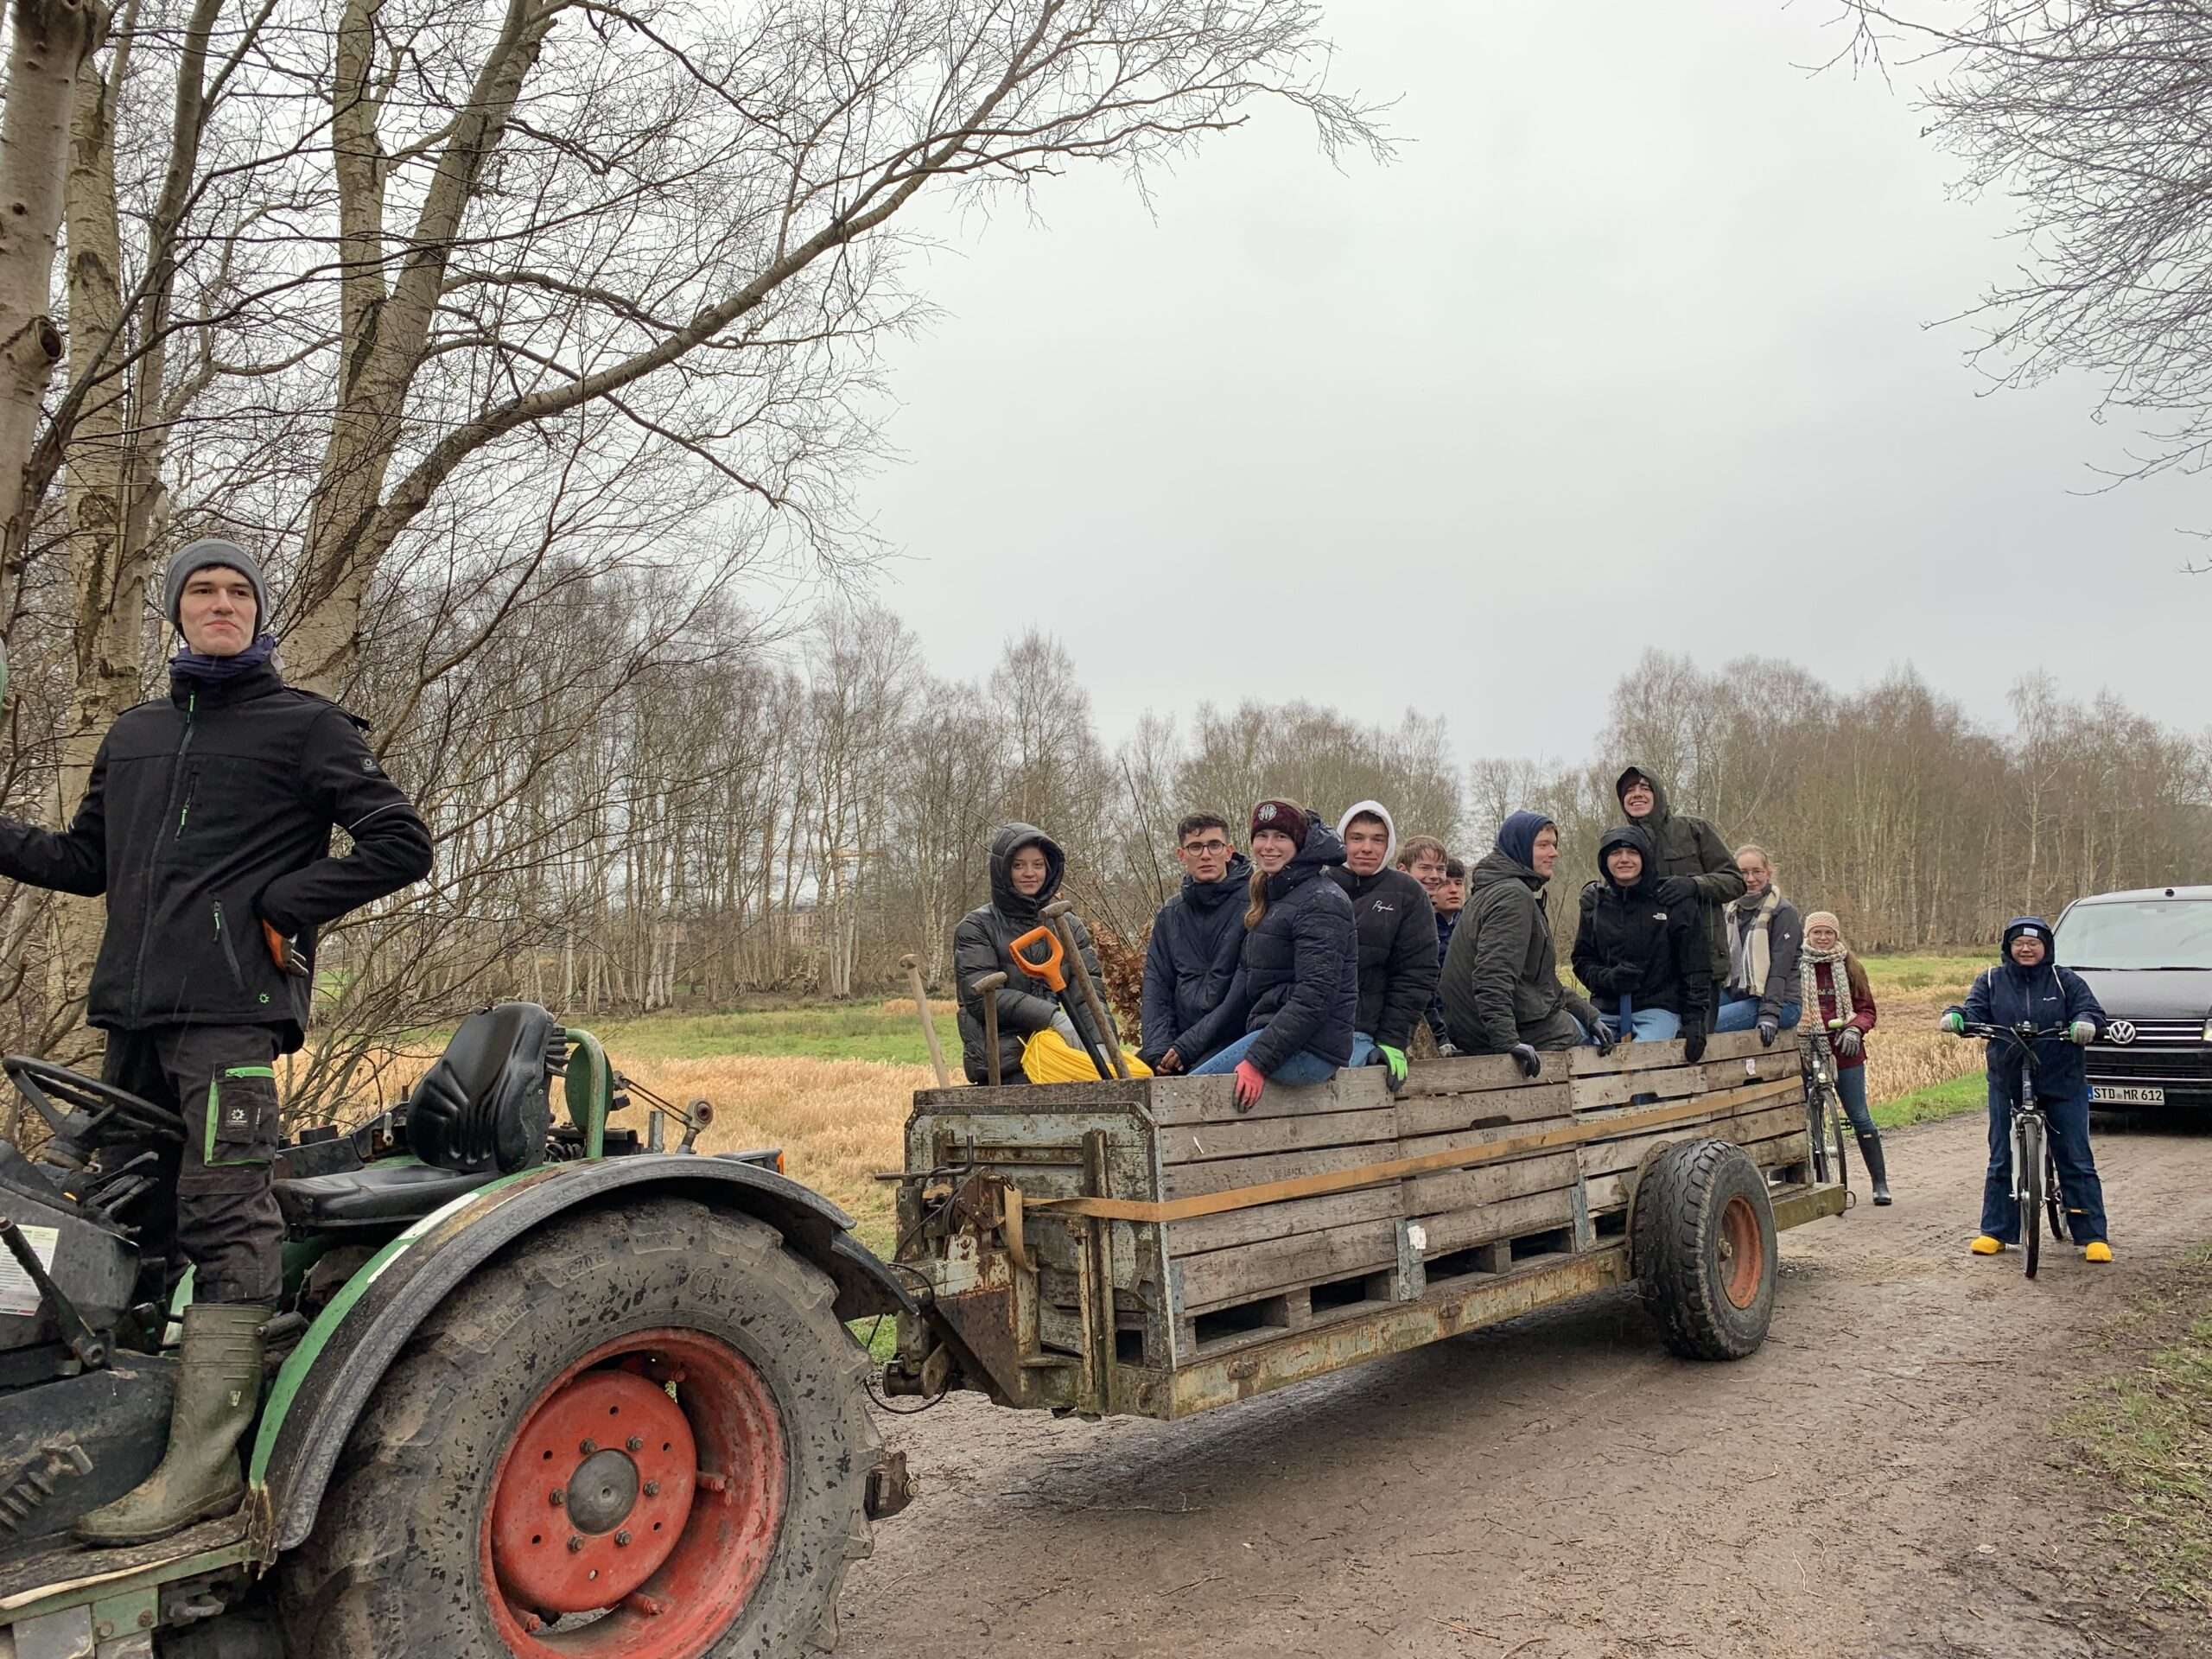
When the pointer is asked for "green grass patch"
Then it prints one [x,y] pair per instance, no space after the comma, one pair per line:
[1951,1099]
[2147,1433]
[825,1032]
[1924,971]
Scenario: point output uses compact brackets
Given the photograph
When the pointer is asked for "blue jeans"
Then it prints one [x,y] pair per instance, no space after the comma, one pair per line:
[1300,1071]
[1646,1024]
[1742,1014]
[1851,1089]
[2068,1124]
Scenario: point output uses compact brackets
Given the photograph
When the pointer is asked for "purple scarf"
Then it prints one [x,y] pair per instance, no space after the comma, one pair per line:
[189,664]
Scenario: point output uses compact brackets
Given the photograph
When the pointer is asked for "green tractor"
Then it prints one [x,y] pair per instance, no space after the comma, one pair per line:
[538,1389]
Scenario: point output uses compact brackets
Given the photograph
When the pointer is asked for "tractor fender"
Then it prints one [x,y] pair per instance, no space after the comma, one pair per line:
[329,1378]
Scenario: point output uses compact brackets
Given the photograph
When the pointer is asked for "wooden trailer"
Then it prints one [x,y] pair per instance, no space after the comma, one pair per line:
[1147,1248]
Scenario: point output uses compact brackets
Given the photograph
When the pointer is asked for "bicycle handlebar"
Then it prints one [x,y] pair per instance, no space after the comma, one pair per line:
[2021,1034]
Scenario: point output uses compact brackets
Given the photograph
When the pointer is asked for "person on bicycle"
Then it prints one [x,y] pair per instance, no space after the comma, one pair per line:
[1840,1003]
[2027,987]
[207,824]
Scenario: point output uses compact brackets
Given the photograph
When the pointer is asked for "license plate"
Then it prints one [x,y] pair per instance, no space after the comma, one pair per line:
[2106,1094]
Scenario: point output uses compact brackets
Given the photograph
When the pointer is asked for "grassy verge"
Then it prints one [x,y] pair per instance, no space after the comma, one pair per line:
[1947,1099]
[2145,1437]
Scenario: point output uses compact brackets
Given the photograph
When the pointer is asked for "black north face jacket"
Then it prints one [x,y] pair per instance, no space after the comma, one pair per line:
[207,815]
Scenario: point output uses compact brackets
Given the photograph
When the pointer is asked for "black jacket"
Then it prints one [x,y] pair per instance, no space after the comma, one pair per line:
[1501,975]
[1198,939]
[205,816]
[1396,926]
[981,944]
[1630,944]
[1692,847]
[1299,981]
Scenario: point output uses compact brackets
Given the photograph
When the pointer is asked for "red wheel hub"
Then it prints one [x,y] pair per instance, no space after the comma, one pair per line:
[645,1486]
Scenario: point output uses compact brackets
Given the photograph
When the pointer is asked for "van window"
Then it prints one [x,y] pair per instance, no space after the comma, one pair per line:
[2144,934]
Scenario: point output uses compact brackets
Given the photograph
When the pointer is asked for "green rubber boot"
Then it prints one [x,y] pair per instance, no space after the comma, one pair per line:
[218,1390]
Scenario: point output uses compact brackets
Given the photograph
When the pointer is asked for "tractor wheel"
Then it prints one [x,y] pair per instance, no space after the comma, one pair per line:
[1704,1249]
[639,1433]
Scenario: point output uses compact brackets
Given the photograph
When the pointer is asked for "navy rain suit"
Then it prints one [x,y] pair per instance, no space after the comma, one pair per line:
[2044,995]
[1197,940]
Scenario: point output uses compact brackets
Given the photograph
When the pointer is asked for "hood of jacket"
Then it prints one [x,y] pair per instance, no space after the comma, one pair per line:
[1235,885]
[1629,835]
[1659,810]
[1497,865]
[1370,808]
[1517,836]
[1322,848]
[1010,840]
[2013,928]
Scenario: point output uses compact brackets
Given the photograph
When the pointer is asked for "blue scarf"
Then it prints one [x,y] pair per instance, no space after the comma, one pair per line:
[189,664]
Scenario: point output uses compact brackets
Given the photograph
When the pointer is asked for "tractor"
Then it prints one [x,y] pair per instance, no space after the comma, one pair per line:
[540,1387]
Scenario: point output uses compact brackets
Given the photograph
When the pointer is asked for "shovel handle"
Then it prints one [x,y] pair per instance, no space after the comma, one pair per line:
[1048,967]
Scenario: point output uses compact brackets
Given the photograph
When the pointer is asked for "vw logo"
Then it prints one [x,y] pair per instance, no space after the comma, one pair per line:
[2120,1031]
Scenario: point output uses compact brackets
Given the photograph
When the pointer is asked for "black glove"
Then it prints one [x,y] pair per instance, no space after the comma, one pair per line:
[1602,1035]
[1627,979]
[1693,1042]
[1676,890]
[1769,1030]
[1526,1059]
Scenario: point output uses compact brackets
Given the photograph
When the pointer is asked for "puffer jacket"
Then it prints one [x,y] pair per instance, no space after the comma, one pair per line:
[1501,976]
[1630,944]
[1197,942]
[1691,847]
[1396,929]
[1299,983]
[982,943]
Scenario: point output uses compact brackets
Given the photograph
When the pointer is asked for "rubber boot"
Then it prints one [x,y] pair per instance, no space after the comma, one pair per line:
[218,1391]
[1877,1171]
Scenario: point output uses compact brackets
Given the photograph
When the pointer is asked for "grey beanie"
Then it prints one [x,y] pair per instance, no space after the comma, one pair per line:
[214,551]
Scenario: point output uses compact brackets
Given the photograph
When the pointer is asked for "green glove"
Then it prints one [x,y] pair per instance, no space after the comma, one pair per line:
[1395,1059]
[1954,1021]
[2082,1032]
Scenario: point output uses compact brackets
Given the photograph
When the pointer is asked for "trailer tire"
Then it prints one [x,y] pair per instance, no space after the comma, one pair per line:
[1704,1249]
[684,1317]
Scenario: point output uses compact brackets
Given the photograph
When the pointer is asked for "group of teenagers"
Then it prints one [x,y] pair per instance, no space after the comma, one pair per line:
[1320,948]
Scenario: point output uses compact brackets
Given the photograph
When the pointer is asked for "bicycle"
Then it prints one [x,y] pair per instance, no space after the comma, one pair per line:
[2034,1169]
[1824,1113]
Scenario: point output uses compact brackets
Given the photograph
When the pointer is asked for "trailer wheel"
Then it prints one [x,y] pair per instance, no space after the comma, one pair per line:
[639,1433]
[1704,1248]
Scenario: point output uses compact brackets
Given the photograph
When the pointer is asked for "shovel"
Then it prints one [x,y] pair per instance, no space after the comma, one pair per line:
[987,991]
[1050,968]
[929,1026]
[1061,913]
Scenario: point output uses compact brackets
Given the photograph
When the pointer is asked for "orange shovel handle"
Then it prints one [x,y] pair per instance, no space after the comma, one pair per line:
[1047,969]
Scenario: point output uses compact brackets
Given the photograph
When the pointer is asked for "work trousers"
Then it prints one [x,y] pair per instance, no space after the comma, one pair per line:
[222,1080]
[2067,1122]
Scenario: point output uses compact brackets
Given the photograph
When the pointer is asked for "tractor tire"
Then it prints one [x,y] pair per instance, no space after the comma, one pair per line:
[471,1511]
[1704,1249]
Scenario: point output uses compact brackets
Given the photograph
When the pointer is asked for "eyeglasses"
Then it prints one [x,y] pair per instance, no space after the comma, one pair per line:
[1207,848]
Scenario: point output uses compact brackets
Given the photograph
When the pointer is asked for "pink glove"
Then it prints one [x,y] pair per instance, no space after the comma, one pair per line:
[1248,1085]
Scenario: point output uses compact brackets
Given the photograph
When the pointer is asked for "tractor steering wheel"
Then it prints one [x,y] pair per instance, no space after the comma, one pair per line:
[44,1084]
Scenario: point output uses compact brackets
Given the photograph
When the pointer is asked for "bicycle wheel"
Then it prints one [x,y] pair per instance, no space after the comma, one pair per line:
[2054,1196]
[1816,1130]
[2027,1167]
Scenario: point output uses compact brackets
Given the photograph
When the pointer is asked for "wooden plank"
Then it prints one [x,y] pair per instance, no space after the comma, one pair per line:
[1615,1156]
[1422,1146]
[1197,1142]
[1676,1082]
[1179,1101]
[1283,1220]
[979,1100]
[1221,1175]
[1477,1073]
[1610,1191]
[1447,1114]
[1225,1278]
[1462,1228]
[1651,1056]
[1467,1189]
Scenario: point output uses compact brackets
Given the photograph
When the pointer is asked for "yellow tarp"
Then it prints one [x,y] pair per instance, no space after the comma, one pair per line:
[1046,1057]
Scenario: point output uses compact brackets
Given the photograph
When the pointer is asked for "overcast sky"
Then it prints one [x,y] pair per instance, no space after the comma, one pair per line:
[1630,346]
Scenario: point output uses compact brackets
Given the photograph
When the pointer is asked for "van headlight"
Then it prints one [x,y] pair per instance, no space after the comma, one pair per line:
[2207,1027]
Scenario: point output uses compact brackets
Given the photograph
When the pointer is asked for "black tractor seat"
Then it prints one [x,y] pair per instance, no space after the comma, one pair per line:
[390,1193]
[482,1111]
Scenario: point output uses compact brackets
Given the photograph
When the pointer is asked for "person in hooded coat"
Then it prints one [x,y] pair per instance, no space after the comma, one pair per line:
[982,943]
[1501,990]
[1397,936]
[1643,959]
[1694,861]
[1299,985]
[2026,985]
[1197,942]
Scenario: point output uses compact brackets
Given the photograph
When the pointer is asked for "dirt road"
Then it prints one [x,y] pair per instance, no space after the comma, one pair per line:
[1877,1481]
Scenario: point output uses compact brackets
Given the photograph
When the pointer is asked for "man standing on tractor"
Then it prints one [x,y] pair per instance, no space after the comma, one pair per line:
[206,823]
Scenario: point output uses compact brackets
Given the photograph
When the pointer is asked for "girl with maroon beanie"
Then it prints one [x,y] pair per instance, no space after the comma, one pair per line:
[1298,987]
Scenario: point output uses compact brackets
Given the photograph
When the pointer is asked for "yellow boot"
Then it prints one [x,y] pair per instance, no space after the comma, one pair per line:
[2096,1251]
[1984,1245]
